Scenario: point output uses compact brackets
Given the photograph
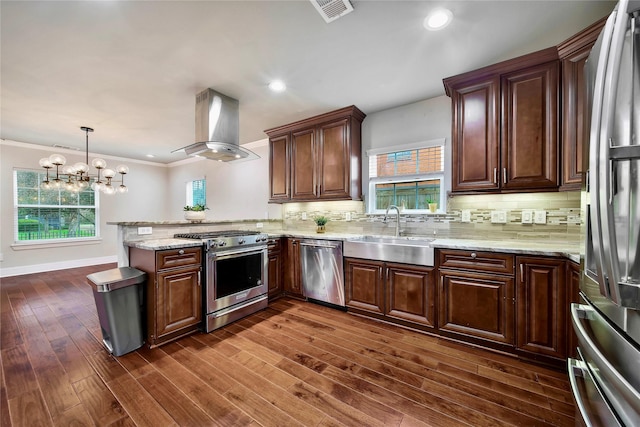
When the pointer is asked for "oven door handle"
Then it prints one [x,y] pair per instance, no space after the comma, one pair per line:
[233,252]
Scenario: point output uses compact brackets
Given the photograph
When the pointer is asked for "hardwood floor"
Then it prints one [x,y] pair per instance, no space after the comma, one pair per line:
[294,363]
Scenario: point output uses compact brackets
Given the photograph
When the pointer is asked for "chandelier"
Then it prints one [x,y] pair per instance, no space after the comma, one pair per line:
[76,178]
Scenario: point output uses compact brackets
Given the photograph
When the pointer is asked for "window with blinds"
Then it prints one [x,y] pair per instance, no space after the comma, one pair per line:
[52,215]
[408,178]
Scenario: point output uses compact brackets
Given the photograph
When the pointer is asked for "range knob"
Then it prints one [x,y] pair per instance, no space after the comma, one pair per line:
[222,243]
[240,241]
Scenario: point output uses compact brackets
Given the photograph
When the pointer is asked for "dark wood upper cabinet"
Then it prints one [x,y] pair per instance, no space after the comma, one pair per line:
[575,109]
[530,128]
[317,158]
[505,125]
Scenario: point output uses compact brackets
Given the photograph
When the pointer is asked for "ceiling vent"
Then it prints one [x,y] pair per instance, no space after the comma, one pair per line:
[330,10]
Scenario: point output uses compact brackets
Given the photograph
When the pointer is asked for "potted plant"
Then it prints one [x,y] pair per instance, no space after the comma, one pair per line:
[433,206]
[195,213]
[320,221]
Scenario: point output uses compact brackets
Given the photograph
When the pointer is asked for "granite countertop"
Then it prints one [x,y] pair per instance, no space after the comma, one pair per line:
[525,247]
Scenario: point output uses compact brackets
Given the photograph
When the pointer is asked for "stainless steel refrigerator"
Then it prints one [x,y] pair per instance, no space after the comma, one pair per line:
[605,376]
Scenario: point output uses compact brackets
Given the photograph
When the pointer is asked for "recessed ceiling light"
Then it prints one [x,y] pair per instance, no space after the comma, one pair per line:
[438,19]
[150,155]
[277,86]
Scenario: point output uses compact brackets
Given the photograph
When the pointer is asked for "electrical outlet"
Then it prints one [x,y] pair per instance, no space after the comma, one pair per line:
[499,217]
[466,215]
[540,217]
[527,216]
[259,225]
[347,216]
[304,216]
[145,230]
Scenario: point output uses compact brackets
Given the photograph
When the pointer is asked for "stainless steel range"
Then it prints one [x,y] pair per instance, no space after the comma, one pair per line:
[235,274]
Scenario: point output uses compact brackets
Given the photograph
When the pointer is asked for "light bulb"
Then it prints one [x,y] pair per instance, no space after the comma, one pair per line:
[438,19]
[57,183]
[69,186]
[108,189]
[122,169]
[97,185]
[82,185]
[99,163]
[68,170]
[57,159]
[81,167]
[46,185]
[123,189]
[109,173]
[46,163]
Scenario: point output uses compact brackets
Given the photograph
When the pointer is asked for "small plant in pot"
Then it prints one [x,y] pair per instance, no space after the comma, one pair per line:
[195,213]
[320,221]
[433,205]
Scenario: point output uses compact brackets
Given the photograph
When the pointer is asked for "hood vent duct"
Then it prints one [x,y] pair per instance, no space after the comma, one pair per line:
[218,129]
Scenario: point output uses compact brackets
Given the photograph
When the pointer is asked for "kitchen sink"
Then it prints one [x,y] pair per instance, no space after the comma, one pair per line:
[407,250]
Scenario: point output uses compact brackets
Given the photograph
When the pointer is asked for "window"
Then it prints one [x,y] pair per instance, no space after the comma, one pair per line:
[52,215]
[197,192]
[408,178]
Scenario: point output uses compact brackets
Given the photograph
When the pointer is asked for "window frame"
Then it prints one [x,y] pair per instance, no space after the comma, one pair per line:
[67,241]
[441,175]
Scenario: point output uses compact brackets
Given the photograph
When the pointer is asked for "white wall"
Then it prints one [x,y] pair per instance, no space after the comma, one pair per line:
[145,200]
[421,121]
[235,190]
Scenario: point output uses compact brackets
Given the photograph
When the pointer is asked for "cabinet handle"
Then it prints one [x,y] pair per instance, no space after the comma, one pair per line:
[199,279]
[181,251]
[473,255]
[521,272]
[495,175]
[504,175]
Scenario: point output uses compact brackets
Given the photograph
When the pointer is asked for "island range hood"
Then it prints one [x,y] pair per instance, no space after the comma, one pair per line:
[217,129]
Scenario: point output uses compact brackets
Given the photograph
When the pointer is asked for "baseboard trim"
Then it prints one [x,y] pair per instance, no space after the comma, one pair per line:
[52,266]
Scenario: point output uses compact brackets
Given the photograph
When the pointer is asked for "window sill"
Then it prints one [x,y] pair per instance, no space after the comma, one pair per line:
[45,244]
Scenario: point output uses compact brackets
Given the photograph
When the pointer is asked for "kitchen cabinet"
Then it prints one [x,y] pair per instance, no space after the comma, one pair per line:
[573,54]
[173,291]
[541,315]
[275,278]
[398,292]
[292,274]
[317,158]
[476,296]
[505,125]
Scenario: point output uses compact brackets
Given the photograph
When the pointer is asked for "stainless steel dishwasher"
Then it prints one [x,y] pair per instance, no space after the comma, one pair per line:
[322,271]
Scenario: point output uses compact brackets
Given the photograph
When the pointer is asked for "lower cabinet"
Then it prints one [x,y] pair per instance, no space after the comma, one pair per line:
[396,291]
[477,305]
[542,307]
[275,278]
[173,291]
[292,275]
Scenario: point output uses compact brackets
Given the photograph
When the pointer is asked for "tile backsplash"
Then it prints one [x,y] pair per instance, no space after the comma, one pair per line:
[561,213]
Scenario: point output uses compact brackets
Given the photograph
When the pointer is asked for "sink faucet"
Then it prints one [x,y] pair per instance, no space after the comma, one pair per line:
[397,218]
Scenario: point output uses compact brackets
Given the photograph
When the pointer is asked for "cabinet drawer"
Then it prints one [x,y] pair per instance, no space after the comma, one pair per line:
[274,245]
[178,257]
[476,260]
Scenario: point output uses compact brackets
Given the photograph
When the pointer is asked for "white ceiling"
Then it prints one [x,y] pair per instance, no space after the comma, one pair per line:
[131,69]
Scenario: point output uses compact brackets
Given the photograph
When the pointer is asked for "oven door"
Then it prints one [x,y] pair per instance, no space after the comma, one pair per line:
[235,276]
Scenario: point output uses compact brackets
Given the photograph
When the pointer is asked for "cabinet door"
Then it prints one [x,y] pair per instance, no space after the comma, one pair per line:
[541,316]
[279,168]
[364,286]
[275,274]
[529,128]
[475,135]
[410,294]
[476,305]
[333,160]
[292,280]
[575,119]
[178,300]
[303,166]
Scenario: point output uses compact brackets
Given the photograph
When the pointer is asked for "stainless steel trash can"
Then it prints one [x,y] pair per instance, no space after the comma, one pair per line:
[118,296]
